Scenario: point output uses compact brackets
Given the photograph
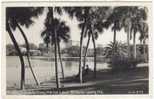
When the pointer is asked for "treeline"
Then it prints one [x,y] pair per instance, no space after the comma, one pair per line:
[11,51]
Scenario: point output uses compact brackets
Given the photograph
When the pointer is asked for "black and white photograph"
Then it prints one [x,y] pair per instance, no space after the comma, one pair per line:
[77,50]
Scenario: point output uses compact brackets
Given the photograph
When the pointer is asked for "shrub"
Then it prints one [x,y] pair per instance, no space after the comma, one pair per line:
[118,56]
[121,63]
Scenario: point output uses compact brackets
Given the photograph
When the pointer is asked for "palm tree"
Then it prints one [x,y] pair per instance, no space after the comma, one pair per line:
[121,17]
[115,20]
[118,48]
[95,25]
[52,28]
[90,19]
[143,36]
[81,13]
[50,25]
[22,16]
[129,13]
[118,61]
[86,49]
[137,20]
[62,34]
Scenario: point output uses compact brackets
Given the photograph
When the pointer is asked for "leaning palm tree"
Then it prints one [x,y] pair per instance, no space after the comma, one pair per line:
[62,34]
[86,49]
[90,22]
[94,26]
[81,13]
[15,17]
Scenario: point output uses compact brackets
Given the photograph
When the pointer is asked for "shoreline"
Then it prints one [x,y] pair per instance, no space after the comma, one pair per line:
[111,83]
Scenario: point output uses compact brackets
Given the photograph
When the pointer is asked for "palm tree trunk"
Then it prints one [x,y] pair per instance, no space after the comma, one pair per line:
[134,44]
[85,55]
[144,52]
[114,36]
[55,45]
[94,44]
[56,65]
[48,52]
[28,53]
[22,82]
[114,42]
[128,44]
[80,60]
[62,69]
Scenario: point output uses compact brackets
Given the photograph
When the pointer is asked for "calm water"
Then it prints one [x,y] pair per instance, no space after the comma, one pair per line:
[44,70]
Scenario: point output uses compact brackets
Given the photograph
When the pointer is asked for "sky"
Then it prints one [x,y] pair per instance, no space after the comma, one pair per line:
[33,33]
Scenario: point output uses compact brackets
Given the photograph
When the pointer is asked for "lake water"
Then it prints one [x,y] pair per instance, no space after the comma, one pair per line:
[44,70]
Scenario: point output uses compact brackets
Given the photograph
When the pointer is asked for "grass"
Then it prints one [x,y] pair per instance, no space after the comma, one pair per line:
[133,81]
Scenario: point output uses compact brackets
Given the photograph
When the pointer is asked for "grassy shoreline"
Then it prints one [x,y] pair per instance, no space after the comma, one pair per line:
[127,82]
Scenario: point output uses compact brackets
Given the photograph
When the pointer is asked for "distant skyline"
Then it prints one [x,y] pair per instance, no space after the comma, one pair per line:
[33,33]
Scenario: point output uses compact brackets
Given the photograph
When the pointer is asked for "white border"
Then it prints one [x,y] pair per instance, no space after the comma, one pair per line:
[81,3]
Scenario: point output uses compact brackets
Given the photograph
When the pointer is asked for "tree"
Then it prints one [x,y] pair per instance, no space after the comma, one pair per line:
[81,13]
[128,14]
[86,49]
[115,20]
[118,48]
[62,34]
[143,36]
[90,19]
[15,17]
[50,25]
[119,60]
[52,35]
[10,50]
[137,20]
[121,17]
[94,27]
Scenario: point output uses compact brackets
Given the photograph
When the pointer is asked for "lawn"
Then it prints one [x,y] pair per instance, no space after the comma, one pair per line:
[134,81]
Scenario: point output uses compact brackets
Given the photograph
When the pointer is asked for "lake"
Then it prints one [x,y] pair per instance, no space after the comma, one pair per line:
[44,70]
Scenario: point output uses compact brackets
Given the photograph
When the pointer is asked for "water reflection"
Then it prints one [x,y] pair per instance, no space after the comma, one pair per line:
[44,70]
[68,65]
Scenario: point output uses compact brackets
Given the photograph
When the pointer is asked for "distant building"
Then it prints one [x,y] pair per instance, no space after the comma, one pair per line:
[72,43]
[35,52]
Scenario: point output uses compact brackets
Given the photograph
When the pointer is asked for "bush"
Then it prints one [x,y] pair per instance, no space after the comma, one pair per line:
[119,60]
[121,63]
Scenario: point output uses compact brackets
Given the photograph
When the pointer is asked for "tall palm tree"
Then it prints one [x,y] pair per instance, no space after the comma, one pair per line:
[86,49]
[22,16]
[139,16]
[121,17]
[97,15]
[115,20]
[62,34]
[128,15]
[49,23]
[90,19]
[52,35]
[143,36]
[81,13]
